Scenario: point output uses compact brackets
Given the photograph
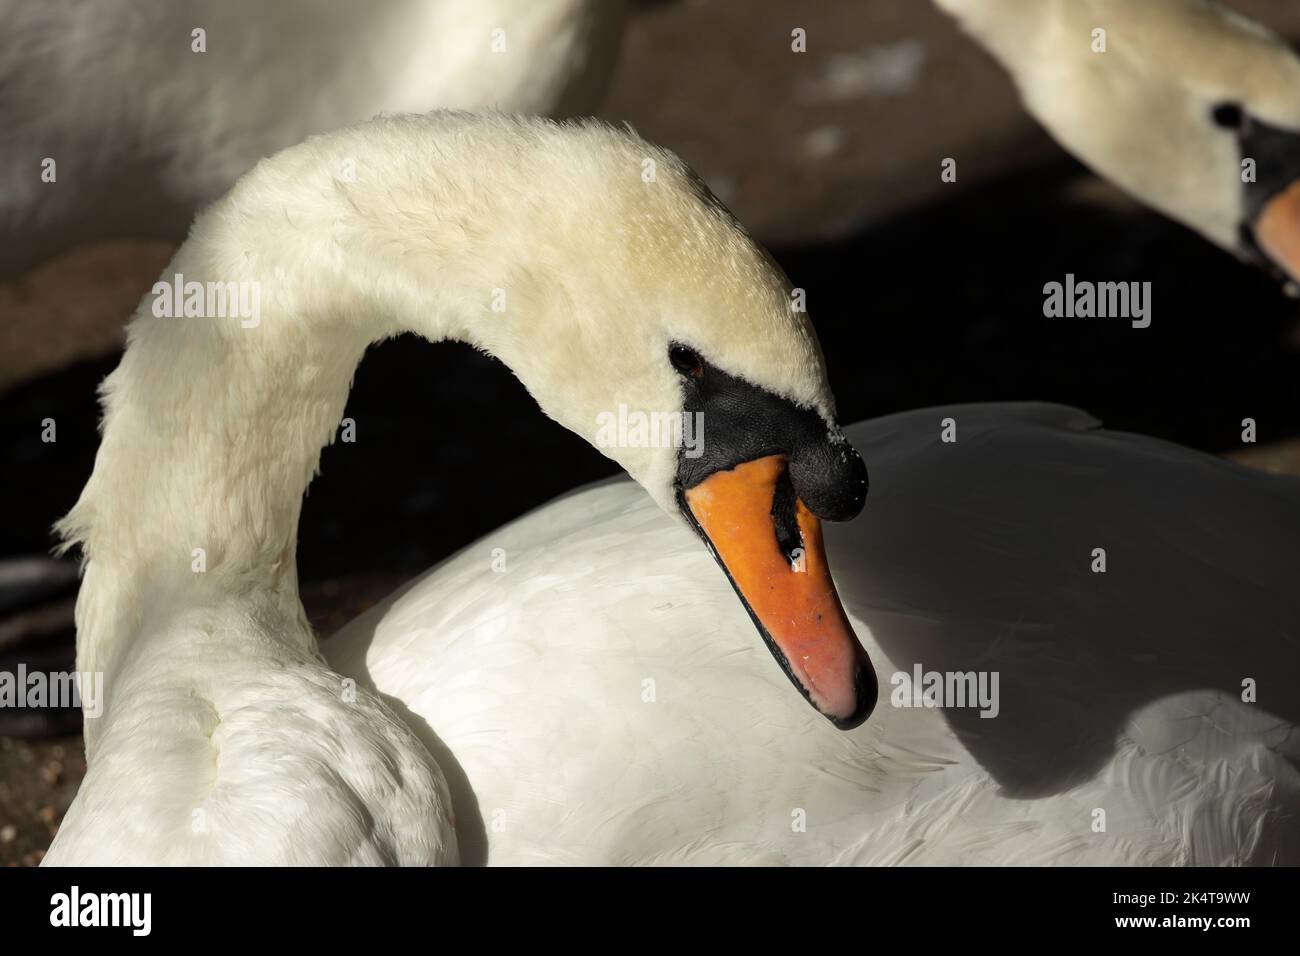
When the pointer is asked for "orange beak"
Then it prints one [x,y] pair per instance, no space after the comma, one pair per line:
[770,545]
[1277,230]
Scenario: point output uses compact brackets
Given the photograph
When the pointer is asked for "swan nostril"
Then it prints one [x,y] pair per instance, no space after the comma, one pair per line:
[785,517]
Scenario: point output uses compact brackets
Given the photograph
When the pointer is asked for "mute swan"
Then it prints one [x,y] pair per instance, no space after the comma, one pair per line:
[591,263]
[144,128]
[1185,92]
[602,704]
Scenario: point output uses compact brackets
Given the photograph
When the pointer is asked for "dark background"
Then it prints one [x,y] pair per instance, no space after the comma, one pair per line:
[922,293]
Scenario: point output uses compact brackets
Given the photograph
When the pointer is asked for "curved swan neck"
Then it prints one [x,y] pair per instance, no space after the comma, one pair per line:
[573,254]
[214,422]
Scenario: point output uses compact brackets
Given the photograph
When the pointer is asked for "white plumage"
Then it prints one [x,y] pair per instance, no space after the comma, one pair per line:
[532,736]
[1120,692]
[1141,112]
[224,737]
[144,128]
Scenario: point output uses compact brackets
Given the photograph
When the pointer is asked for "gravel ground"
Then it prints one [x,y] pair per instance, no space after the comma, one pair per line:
[829,158]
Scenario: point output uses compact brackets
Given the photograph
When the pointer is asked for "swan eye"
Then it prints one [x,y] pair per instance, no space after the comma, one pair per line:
[1227,116]
[686,361]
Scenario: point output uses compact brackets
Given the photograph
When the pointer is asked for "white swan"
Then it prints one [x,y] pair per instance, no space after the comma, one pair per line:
[1183,94]
[591,263]
[601,702]
[143,128]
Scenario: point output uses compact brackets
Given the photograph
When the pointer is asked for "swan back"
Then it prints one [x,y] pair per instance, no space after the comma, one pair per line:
[604,700]
[145,126]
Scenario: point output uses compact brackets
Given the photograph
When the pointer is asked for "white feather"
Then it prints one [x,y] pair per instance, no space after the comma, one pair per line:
[1120,692]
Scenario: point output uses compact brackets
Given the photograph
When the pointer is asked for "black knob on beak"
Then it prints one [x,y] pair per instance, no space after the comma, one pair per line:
[830,477]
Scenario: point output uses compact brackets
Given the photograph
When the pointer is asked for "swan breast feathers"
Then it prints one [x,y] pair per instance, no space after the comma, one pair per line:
[229,744]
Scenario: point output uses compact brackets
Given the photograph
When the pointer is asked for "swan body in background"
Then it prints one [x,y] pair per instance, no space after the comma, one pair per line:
[1184,92]
[224,736]
[143,128]
[601,703]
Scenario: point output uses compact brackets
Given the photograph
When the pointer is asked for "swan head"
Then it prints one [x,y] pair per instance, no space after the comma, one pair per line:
[627,300]
[1270,228]
[642,317]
